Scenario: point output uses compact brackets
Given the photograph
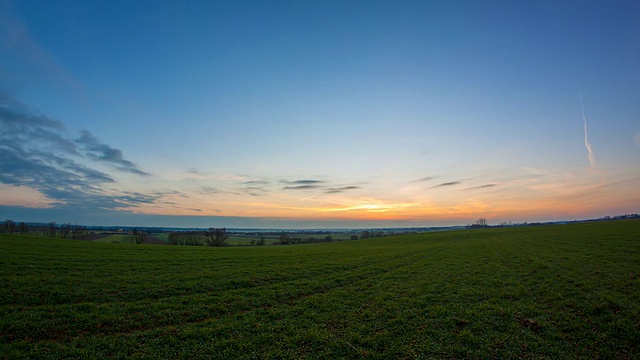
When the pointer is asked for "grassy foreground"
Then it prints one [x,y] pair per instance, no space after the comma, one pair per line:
[537,292]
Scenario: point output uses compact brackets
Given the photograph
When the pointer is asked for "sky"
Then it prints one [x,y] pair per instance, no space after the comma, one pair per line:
[310,114]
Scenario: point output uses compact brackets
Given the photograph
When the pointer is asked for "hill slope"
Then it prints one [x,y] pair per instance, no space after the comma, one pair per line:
[551,291]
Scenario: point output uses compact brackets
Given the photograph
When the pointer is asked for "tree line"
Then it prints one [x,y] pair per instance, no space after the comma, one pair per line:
[210,237]
[52,229]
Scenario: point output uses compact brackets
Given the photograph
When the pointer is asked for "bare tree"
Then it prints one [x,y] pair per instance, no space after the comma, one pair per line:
[53,227]
[23,228]
[138,236]
[187,238]
[77,231]
[217,236]
[480,223]
[285,239]
[9,226]
[65,229]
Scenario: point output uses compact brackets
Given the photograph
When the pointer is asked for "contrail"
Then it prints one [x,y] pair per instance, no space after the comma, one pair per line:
[587,144]
[309,197]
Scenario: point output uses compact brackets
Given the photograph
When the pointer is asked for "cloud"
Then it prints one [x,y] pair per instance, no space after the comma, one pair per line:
[21,124]
[341,189]
[34,152]
[312,184]
[256,182]
[302,187]
[195,174]
[481,186]
[34,62]
[302,182]
[256,187]
[208,190]
[18,115]
[105,153]
[587,144]
[424,179]
[256,190]
[450,183]
[169,193]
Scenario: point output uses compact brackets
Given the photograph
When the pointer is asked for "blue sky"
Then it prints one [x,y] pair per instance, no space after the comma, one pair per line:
[318,113]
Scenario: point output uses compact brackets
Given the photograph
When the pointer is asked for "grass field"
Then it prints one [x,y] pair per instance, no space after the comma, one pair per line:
[161,236]
[570,291]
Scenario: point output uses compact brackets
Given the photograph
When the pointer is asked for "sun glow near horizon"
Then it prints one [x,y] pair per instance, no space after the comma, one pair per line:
[328,111]
[504,202]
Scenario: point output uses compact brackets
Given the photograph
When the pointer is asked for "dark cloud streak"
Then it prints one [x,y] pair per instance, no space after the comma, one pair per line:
[102,152]
[481,186]
[450,183]
[15,113]
[424,179]
[302,187]
[256,182]
[303,182]
[341,189]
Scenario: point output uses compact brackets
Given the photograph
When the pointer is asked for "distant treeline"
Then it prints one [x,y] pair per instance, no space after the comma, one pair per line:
[211,237]
[482,223]
[64,231]
[61,231]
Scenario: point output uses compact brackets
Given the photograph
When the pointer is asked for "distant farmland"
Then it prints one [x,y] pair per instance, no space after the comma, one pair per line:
[537,292]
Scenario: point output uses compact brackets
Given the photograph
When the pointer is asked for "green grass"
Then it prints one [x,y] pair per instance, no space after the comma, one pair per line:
[161,236]
[553,292]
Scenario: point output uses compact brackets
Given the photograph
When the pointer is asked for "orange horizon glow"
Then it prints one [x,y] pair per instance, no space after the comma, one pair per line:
[559,197]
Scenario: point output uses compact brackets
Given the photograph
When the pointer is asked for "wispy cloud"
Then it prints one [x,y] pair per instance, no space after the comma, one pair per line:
[256,190]
[450,183]
[304,184]
[102,152]
[302,187]
[195,174]
[256,187]
[17,115]
[17,43]
[587,144]
[34,152]
[337,190]
[208,190]
[169,193]
[424,179]
[481,186]
[256,182]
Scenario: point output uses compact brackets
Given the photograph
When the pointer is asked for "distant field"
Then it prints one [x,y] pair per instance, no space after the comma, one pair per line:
[115,239]
[243,240]
[557,292]
[161,236]
[268,240]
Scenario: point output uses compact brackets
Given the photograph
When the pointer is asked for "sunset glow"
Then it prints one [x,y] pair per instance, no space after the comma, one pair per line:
[312,114]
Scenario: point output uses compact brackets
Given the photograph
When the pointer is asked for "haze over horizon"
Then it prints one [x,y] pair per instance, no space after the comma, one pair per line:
[312,114]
